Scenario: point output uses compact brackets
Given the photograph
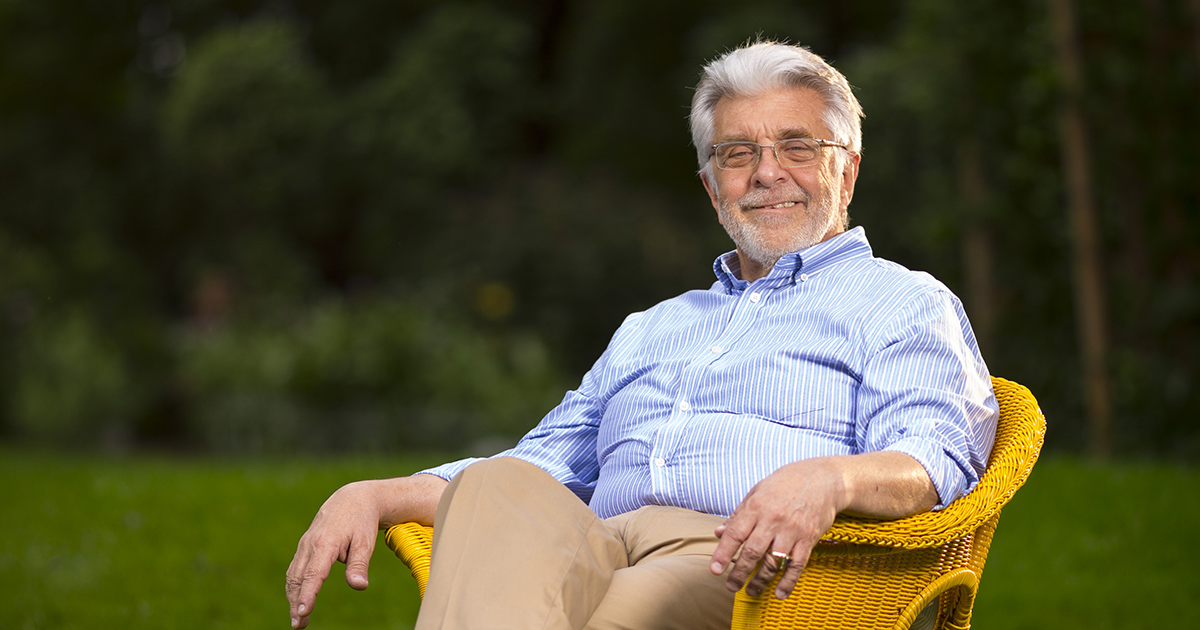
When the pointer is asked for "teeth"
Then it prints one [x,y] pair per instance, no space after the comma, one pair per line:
[786,204]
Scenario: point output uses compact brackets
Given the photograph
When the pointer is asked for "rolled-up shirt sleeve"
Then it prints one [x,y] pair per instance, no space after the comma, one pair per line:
[926,392]
[564,442]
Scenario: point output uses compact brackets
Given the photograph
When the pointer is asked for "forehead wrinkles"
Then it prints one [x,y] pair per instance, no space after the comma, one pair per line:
[774,136]
[775,115]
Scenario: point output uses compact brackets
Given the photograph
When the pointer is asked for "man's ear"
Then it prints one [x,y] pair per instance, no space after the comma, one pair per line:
[711,188]
[849,177]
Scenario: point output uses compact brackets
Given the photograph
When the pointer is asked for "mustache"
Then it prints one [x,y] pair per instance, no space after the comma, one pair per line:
[771,196]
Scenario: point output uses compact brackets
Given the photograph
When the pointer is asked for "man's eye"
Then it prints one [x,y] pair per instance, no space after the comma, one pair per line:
[798,151]
[740,153]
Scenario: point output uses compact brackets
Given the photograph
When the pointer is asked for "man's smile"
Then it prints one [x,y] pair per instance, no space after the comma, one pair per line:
[776,198]
[782,204]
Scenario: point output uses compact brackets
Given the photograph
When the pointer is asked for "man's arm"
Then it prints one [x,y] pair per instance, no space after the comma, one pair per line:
[345,530]
[791,509]
[347,525]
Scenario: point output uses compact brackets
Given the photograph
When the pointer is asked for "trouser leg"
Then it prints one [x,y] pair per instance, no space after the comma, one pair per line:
[668,584]
[514,549]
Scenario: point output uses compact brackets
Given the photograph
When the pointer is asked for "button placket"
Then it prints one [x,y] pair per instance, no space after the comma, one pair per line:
[745,313]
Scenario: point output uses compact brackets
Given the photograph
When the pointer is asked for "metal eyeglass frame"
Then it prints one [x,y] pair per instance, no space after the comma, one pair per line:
[774,151]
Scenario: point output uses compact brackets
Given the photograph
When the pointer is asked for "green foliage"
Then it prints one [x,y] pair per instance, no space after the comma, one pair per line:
[368,376]
[250,113]
[208,166]
[941,97]
[74,386]
[445,104]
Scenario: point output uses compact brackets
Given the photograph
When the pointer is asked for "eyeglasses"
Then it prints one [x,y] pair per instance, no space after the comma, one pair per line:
[791,152]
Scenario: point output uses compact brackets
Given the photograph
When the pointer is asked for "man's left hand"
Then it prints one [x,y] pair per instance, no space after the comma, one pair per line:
[786,513]
[789,511]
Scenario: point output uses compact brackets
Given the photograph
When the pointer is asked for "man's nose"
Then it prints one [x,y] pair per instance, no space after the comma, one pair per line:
[769,172]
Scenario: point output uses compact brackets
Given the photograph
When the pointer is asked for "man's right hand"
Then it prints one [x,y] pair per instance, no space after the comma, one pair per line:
[345,529]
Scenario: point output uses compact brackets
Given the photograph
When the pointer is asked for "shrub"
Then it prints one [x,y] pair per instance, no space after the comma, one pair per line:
[367,375]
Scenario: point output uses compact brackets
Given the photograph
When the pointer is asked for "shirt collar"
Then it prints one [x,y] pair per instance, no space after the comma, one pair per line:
[845,246]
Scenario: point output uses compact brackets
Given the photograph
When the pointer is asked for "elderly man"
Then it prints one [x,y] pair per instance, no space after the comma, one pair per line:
[720,428]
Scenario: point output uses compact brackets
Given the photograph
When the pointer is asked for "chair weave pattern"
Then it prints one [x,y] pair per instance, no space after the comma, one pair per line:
[869,573]
[413,544]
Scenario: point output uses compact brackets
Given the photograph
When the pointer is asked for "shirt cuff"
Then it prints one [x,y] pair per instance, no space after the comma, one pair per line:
[448,470]
[950,478]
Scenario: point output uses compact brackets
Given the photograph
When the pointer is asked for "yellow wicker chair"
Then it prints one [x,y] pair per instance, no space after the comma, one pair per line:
[877,574]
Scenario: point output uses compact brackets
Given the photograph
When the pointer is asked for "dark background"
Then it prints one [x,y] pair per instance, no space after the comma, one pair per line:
[249,227]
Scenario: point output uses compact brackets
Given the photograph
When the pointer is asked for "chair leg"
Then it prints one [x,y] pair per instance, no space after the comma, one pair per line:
[952,595]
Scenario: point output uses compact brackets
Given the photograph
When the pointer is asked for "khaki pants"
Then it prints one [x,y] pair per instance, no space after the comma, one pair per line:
[513,549]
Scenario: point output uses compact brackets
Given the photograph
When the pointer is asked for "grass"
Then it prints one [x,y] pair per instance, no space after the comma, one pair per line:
[1085,545]
[158,543]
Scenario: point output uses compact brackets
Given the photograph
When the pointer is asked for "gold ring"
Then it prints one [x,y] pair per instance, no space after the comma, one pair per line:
[782,560]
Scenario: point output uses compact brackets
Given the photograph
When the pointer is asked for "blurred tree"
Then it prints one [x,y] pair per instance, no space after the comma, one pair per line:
[972,110]
[218,215]
[1087,276]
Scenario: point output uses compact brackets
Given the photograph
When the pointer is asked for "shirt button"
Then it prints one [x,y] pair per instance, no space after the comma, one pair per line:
[660,462]
[685,406]
[755,297]
[803,277]
[716,349]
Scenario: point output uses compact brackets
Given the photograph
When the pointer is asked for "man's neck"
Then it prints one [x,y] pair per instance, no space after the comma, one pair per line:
[751,270]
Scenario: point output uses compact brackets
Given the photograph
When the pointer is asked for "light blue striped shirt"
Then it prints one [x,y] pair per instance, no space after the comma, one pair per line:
[834,352]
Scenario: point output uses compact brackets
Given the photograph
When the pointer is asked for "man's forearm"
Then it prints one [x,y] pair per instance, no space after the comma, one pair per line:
[885,484]
[406,499]
[345,530]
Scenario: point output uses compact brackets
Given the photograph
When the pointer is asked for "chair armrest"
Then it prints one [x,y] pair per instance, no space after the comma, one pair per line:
[1019,439]
[413,543]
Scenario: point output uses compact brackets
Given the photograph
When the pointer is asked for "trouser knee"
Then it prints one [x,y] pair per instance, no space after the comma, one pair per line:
[500,470]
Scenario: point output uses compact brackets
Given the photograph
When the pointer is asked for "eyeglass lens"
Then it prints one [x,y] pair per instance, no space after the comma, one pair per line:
[742,155]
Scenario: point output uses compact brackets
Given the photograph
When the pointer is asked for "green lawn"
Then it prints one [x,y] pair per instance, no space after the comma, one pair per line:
[1094,546]
[159,543]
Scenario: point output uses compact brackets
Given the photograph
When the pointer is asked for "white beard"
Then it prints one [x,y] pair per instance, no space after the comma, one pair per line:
[750,233]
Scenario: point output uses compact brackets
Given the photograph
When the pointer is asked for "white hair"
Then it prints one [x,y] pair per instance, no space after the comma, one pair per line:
[766,65]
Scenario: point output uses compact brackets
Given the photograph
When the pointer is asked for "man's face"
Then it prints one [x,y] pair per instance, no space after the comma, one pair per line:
[770,210]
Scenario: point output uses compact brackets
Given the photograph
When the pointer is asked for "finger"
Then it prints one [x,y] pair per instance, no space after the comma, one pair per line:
[294,579]
[787,583]
[358,560]
[731,533]
[752,551]
[767,570]
[312,577]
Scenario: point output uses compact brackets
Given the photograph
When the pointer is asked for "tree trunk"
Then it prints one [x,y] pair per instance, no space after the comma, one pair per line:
[976,244]
[1088,285]
[1195,5]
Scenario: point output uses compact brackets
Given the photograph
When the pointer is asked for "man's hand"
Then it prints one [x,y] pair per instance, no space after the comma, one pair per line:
[792,508]
[787,512]
[345,529]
